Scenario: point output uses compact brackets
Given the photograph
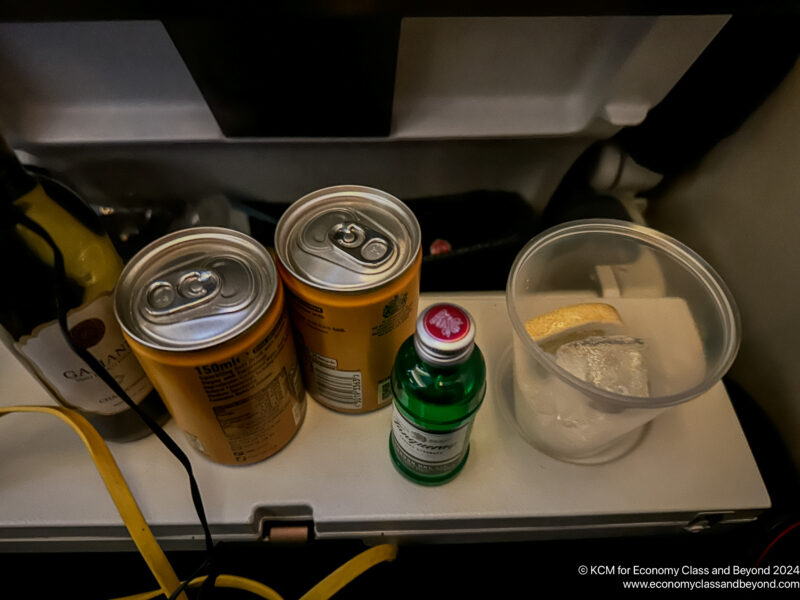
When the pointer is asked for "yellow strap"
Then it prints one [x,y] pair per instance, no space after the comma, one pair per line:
[349,571]
[118,489]
[223,581]
[148,546]
[322,591]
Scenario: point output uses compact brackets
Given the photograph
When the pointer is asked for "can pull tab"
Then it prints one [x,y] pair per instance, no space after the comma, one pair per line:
[362,243]
[197,288]
[187,290]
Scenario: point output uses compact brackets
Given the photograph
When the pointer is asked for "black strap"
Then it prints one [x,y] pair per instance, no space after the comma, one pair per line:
[60,286]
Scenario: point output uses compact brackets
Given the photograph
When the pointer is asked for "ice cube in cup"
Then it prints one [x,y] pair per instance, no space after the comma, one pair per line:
[613,363]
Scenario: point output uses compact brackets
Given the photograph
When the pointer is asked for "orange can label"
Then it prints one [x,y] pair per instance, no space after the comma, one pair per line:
[347,342]
[240,402]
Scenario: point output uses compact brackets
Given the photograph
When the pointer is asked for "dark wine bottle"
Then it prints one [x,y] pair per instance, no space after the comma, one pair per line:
[28,308]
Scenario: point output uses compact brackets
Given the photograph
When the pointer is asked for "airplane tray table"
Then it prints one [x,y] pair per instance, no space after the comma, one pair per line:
[693,467]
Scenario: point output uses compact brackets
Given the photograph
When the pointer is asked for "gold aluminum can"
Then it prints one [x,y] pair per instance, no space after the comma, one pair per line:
[350,258]
[203,310]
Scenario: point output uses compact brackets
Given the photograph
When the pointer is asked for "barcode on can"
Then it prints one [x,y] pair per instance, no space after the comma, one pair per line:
[385,391]
[341,389]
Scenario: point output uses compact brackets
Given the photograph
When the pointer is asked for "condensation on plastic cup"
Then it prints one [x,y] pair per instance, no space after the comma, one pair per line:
[667,296]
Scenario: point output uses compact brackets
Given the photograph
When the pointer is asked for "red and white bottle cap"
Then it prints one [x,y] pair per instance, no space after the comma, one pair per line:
[445,334]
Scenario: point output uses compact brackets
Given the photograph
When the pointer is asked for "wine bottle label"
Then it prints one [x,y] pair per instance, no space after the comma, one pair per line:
[94,328]
[426,452]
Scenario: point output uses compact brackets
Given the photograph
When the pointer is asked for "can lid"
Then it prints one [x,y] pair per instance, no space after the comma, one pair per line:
[445,334]
[347,238]
[195,288]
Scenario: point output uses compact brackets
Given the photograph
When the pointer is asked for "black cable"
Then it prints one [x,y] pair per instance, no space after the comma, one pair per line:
[61,282]
[182,587]
[207,588]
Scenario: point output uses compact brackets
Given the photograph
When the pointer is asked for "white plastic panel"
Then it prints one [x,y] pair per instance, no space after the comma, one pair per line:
[461,77]
[285,171]
[456,77]
[97,81]
[337,471]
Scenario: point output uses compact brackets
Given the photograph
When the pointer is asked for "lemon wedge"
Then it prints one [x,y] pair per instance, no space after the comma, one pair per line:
[570,323]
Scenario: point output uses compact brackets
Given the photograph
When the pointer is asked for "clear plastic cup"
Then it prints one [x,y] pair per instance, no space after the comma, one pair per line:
[666,295]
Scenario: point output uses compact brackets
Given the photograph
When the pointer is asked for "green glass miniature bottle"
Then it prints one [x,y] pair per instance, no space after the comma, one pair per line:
[439,381]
